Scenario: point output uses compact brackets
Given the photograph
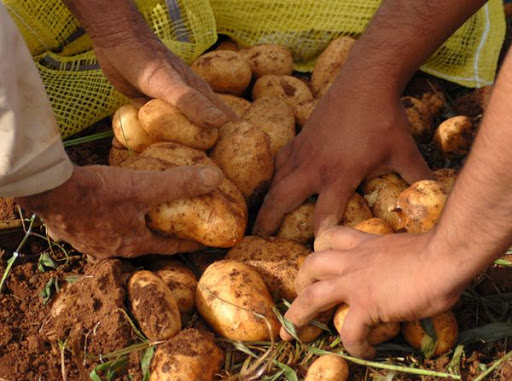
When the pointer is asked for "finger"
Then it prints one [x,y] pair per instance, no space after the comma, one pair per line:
[339,238]
[283,156]
[411,165]
[330,206]
[282,198]
[317,298]
[203,87]
[316,267]
[159,244]
[354,334]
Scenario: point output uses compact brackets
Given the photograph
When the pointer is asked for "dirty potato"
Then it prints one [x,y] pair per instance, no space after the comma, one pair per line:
[237,104]
[298,225]
[328,368]
[420,119]
[311,332]
[268,59]
[446,177]
[356,211]
[290,89]
[374,226]
[454,136]
[303,111]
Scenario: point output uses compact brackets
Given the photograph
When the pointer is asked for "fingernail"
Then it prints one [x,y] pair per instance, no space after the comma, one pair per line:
[216,118]
[211,176]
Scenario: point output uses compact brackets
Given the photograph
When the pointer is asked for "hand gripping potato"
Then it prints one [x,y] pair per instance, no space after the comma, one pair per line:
[311,332]
[329,63]
[237,104]
[268,59]
[128,129]
[275,259]
[190,355]
[290,89]
[225,71]
[356,211]
[328,368]
[374,226]
[446,329]
[454,136]
[165,123]
[420,119]
[153,306]
[298,225]
[231,297]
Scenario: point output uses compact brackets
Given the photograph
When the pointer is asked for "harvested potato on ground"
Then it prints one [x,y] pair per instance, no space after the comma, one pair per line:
[153,306]
[228,45]
[419,207]
[190,355]
[298,225]
[228,297]
[311,332]
[378,334]
[356,211]
[290,89]
[225,71]
[328,368]
[420,120]
[473,103]
[434,101]
[454,136]
[165,123]
[116,156]
[128,129]
[446,177]
[446,329]
[268,59]
[381,193]
[374,226]
[217,219]
[329,63]
[275,259]
[274,117]
[303,111]
[237,104]
[246,159]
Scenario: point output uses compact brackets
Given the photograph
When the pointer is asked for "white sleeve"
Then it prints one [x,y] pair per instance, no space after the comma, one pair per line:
[32,157]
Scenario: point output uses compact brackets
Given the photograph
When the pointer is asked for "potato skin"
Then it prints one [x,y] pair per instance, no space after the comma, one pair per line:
[303,111]
[420,119]
[165,123]
[446,177]
[290,89]
[116,156]
[237,104]
[298,225]
[268,59]
[374,226]
[227,293]
[445,325]
[225,71]
[190,355]
[328,368]
[454,136]
[275,259]
[153,306]
[356,211]
[311,332]
[128,129]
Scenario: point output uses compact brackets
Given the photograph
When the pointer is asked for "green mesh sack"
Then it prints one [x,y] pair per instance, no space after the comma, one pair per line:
[79,93]
[469,57]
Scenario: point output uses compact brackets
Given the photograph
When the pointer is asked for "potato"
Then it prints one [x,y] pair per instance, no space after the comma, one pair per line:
[268,59]
[237,104]
[381,193]
[153,306]
[356,211]
[165,123]
[420,120]
[128,129]
[329,63]
[311,332]
[217,219]
[229,294]
[419,207]
[275,259]
[298,225]
[8,209]
[473,103]
[328,368]
[246,159]
[274,117]
[228,44]
[454,136]
[303,111]
[290,89]
[434,101]
[225,71]
[116,156]
[446,177]
[374,226]
[190,355]
[378,334]
[445,326]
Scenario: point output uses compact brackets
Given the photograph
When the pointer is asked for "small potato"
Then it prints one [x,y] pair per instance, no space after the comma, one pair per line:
[268,59]
[446,177]
[229,294]
[246,159]
[228,45]
[329,63]
[303,111]
[298,225]
[328,368]
[165,123]
[128,129]
[454,136]
[473,103]
[420,120]
[190,355]
[153,306]
[237,104]
[374,226]
[225,71]
[419,207]
[445,326]
[274,117]
[356,211]
[311,332]
[275,259]
[290,89]
[435,102]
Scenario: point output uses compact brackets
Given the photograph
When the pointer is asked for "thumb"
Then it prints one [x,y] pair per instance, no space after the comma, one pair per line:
[411,165]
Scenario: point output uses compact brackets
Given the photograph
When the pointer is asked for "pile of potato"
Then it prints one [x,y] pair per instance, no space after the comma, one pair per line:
[236,294]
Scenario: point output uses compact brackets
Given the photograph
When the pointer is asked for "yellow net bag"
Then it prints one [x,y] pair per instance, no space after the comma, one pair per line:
[79,93]
[469,57]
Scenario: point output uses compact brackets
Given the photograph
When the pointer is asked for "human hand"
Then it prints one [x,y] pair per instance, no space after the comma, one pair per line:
[101,210]
[391,278]
[355,132]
